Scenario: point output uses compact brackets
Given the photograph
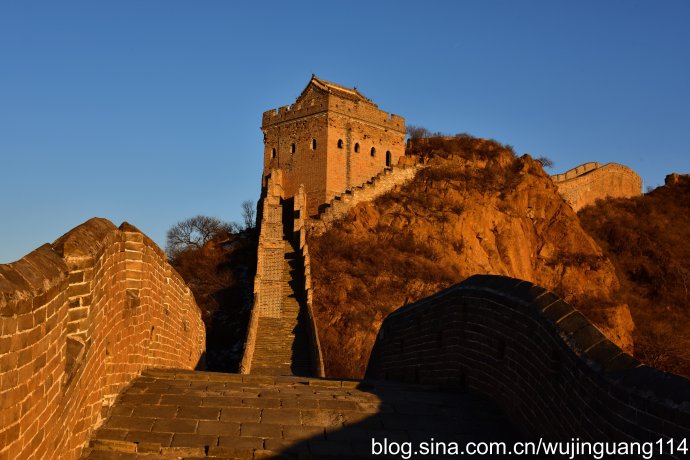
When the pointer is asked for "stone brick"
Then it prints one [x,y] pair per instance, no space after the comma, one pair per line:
[244,442]
[154,411]
[175,426]
[194,440]
[219,428]
[161,439]
[199,413]
[240,414]
[261,430]
[113,445]
[130,423]
[281,416]
[303,432]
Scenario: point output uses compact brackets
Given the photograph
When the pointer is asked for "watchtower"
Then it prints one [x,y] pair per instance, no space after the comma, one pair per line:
[331,139]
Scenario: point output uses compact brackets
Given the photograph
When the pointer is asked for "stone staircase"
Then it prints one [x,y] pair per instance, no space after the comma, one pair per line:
[339,205]
[282,346]
[173,414]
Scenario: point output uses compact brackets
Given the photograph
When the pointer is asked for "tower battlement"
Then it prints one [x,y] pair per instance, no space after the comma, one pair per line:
[332,138]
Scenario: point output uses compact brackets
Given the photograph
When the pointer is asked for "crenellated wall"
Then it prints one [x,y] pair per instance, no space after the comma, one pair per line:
[330,140]
[591,181]
[79,319]
[549,369]
[382,183]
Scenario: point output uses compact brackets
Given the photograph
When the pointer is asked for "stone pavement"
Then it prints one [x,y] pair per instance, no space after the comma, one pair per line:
[185,414]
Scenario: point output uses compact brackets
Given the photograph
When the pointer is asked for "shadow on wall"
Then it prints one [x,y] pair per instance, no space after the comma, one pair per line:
[545,365]
[394,420]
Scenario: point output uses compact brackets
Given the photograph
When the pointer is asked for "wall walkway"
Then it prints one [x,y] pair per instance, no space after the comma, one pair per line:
[280,338]
[177,414]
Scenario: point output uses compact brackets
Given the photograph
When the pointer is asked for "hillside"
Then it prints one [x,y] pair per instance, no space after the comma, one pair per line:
[475,208]
[648,240]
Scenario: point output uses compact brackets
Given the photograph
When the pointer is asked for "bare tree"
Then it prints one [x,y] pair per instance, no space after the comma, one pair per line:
[417,132]
[194,233]
[249,214]
[545,162]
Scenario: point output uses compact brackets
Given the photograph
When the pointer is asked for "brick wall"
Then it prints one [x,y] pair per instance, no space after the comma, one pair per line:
[591,181]
[549,369]
[300,233]
[79,319]
[338,125]
[382,183]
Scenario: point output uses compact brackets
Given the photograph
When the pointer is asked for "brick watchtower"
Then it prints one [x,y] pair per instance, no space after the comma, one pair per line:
[331,139]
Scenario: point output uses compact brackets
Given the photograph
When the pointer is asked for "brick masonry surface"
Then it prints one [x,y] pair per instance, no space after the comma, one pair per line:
[341,204]
[546,366]
[79,319]
[591,181]
[175,414]
[331,139]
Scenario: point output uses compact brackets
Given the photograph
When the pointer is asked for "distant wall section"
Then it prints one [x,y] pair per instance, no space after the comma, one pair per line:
[589,182]
[79,319]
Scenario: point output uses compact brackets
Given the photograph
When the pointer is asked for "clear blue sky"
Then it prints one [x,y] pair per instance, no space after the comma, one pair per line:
[149,111]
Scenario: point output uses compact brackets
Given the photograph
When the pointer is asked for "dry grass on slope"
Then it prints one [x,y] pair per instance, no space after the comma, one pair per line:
[475,208]
[648,240]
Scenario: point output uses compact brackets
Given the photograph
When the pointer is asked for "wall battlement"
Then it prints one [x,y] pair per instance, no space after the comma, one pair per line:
[79,319]
[538,358]
[367,112]
[340,205]
[576,171]
[330,140]
[591,181]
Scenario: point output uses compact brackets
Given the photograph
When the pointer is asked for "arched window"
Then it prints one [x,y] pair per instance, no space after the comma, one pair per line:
[388,158]
[273,152]
[373,152]
[313,144]
[340,143]
[357,147]
[292,149]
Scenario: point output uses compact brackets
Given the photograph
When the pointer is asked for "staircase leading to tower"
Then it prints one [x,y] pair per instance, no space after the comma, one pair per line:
[282,346]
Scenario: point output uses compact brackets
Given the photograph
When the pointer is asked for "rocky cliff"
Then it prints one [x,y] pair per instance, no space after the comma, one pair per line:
[474,209]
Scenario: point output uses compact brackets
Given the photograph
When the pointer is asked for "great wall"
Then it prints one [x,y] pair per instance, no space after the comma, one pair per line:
[81,318]
[591,181]
[100,338]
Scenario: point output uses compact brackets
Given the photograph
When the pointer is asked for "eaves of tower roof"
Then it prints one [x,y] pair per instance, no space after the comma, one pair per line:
[337,90]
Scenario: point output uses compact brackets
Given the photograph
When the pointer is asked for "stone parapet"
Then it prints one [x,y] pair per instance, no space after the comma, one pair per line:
[300,229]
[548,368]
[79,319]
[589,182]
[339,206]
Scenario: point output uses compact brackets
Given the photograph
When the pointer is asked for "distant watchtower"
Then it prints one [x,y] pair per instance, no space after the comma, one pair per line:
[331,139]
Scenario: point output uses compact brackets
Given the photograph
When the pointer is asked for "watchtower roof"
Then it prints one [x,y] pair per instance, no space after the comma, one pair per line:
[335,89]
